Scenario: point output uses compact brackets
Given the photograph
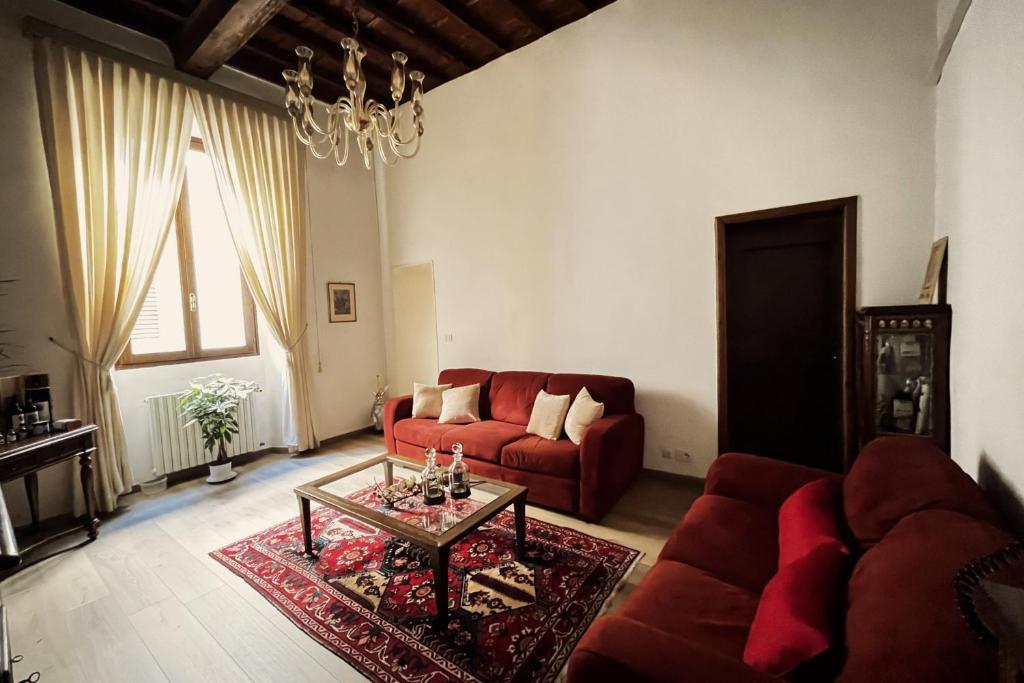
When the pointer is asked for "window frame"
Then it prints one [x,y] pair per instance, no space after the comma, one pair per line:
[193,352]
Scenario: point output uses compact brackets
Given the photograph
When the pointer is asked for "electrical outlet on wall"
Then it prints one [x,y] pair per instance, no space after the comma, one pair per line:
[449,337]
[682,455]
[666,453]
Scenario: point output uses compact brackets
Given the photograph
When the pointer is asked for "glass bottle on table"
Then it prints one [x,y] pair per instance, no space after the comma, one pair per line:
[431,480]
[458,474]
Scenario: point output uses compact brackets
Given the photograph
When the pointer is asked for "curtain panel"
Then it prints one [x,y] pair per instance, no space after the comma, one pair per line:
[260,170]
[115,139]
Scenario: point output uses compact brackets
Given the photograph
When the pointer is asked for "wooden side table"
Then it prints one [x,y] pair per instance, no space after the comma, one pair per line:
[26,458]
[990,593]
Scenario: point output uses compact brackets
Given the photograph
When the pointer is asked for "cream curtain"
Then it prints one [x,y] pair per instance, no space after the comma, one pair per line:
[260,169]
[115,140]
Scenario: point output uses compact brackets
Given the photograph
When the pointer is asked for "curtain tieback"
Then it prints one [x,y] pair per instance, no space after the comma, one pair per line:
[77,354]
[301,335]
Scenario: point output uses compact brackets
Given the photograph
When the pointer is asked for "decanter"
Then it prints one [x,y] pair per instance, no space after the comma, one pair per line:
[431,480]
[458,474]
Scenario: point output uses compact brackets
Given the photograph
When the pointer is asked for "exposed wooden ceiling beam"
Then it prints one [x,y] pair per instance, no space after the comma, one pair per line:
[551,15]
[216,30]
[327,52]
[145,17]
[305,28]
[594,5]
[432,18]
[501,20]
[424,53]
[443,38]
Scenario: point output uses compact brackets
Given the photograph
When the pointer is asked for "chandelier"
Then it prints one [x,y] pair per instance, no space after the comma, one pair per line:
[373,124]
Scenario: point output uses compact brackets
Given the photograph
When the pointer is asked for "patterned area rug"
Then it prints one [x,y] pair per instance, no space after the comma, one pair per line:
[369,596]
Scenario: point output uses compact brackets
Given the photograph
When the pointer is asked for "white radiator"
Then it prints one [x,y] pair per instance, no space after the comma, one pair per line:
[174,448]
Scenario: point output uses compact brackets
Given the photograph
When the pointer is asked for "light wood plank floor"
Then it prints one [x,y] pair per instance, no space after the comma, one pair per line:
[145,602]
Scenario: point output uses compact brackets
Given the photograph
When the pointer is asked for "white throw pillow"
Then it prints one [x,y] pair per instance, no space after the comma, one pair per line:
[548,415]
[460,405]
[426,399]
[584,410]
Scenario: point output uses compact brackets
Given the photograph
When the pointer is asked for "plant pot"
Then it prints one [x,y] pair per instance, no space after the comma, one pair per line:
[220,473]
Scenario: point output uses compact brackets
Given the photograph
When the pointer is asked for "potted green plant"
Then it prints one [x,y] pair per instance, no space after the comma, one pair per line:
[212,403]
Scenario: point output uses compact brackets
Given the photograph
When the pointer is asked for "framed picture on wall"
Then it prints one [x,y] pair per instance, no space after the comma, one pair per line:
[341,302]
[933,289]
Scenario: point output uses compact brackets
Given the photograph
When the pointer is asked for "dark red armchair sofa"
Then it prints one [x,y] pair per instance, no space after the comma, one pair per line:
[584,480]
[913,519]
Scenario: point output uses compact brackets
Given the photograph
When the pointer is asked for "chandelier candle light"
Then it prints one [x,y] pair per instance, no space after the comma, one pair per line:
[374,125]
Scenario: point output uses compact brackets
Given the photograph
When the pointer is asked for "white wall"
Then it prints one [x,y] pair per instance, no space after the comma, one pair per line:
[979,200]
[567,192]
[344,234]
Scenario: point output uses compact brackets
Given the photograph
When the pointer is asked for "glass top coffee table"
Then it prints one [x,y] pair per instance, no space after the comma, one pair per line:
[435,528]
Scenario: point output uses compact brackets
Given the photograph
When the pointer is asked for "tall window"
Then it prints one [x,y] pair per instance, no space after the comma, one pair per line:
[198,307]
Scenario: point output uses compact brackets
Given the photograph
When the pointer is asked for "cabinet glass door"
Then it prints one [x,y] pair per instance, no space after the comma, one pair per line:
[905,365]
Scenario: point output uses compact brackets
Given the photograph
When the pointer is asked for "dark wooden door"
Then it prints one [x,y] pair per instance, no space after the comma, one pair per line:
[786,289]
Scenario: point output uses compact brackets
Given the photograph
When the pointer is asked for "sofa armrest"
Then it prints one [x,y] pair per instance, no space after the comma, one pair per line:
[617,649]
[611,457]
[397,408]
[757,479]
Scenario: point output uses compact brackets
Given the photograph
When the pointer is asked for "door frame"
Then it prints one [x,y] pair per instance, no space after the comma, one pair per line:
[847,207]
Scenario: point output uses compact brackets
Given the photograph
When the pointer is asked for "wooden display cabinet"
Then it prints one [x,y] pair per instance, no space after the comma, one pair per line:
[903,368]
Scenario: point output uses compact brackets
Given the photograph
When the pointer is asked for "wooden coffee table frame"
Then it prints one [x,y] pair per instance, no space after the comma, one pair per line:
[437,546]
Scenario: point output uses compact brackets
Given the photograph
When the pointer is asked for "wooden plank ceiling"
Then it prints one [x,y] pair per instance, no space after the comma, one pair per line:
[443,38]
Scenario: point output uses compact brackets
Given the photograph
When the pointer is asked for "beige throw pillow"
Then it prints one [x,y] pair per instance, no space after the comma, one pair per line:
[584,410]
[460,405]
[548,415]
[426,399]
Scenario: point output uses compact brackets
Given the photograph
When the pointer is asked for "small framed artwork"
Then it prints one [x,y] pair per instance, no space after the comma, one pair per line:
[341,302]
[933,289]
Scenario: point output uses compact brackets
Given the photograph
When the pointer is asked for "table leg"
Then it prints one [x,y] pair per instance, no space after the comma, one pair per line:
[389,474]
[439,563]
[32,491]
[520,511]
[92,523]
[307,525]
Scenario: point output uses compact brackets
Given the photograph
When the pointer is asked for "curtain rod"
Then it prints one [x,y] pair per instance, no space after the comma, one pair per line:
[36,28]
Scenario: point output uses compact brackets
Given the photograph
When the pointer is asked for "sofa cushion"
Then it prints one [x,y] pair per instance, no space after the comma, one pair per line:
[548,415]
[810,518]
[426,399]
[460,405]
[512,395]
[461,377]
[422,432]
[483,440]
[895,476]
[616,393]
[902,621]
[798,614]
[582,413]
[735,540]
[559,458]
[694,605]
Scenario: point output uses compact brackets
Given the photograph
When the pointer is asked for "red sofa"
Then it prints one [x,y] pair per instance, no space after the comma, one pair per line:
[584,480]
[913,519]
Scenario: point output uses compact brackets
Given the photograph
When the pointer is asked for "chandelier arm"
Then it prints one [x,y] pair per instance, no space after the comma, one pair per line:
[309,115]
[321,152]
[304,138]
[383,154]
[397,149]
[343,159]
[396,136]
